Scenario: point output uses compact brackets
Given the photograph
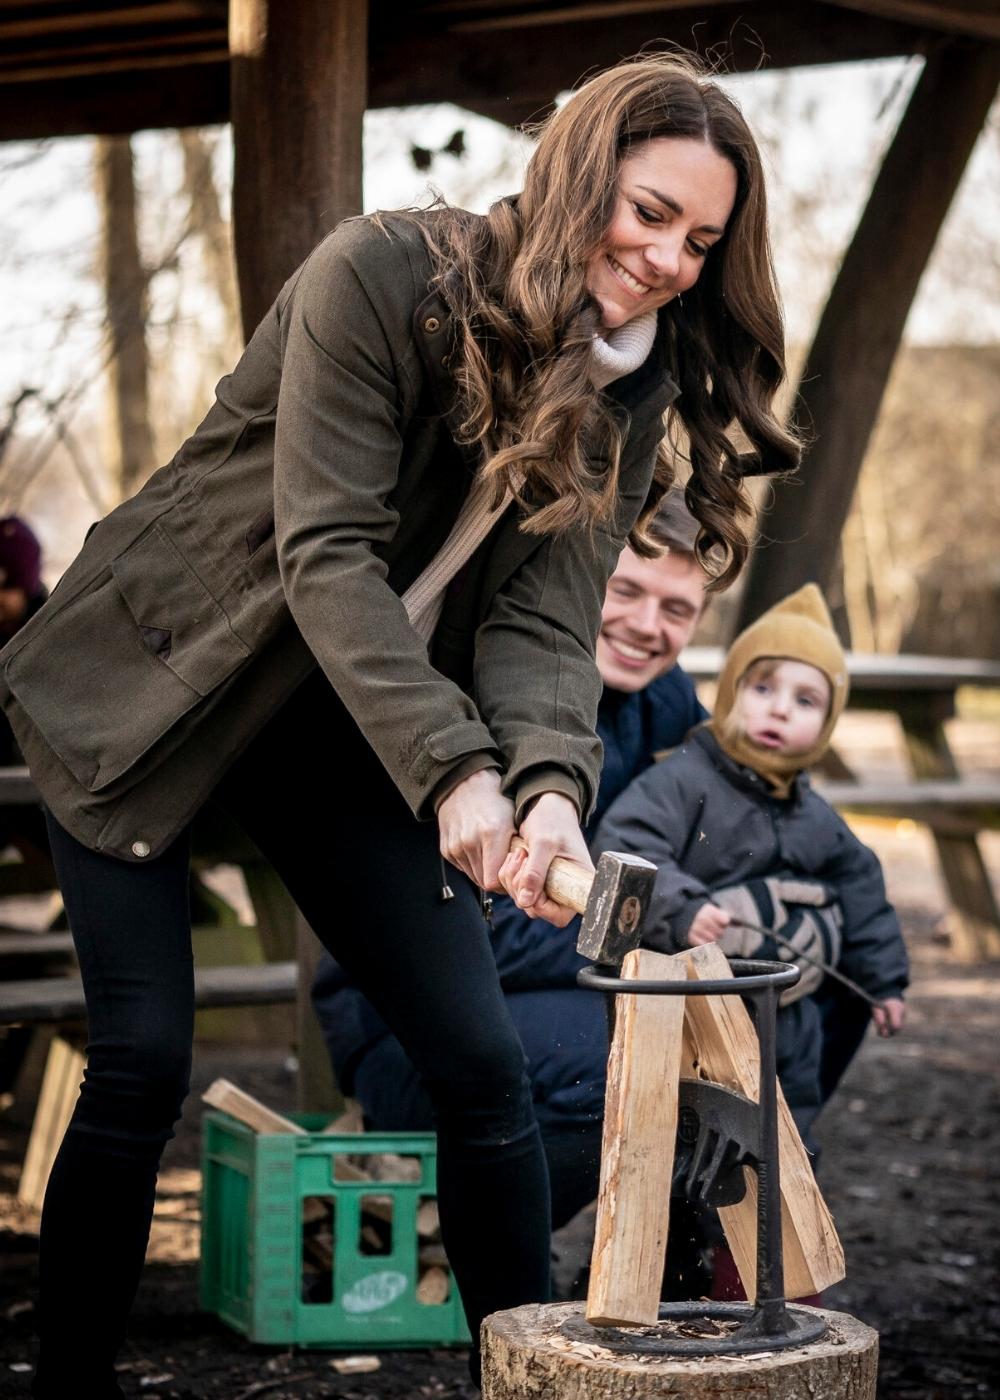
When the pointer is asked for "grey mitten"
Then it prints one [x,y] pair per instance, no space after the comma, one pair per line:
[801,911]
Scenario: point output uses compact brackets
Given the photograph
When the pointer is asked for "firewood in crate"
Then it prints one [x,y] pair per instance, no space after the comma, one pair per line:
[428,1222]
[390,1166]
[431,1254]
[433,1286]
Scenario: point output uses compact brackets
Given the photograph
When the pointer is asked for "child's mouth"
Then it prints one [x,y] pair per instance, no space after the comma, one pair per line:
[768,739]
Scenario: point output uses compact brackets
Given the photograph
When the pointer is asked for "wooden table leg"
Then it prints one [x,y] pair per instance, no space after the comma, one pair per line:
[976,916]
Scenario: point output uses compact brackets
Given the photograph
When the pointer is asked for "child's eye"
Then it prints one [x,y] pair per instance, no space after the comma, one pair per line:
[761,688]
[807,701]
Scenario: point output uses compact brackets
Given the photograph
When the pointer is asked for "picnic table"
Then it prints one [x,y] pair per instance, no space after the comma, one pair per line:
[920,691]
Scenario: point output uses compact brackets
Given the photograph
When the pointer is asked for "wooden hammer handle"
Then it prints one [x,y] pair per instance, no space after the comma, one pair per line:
[567,882]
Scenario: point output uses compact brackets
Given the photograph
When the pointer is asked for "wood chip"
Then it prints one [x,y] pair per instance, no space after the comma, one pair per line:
[354,1365]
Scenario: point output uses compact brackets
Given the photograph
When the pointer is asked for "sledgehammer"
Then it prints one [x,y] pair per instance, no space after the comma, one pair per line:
[613,901]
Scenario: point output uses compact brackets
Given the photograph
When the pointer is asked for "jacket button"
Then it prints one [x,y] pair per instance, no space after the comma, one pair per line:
[432,324]
[140,848]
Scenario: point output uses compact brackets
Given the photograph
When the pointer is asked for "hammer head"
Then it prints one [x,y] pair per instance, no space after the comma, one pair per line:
[616,908]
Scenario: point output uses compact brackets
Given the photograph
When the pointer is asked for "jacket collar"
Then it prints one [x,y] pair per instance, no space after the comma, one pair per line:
[736,773]
[644,394]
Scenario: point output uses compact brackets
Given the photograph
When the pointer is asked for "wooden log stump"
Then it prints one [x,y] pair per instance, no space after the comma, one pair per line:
[527,1357]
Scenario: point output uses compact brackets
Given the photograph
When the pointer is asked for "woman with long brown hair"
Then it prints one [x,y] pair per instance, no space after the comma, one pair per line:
[358,609]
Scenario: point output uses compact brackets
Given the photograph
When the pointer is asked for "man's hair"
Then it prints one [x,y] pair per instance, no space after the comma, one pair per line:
[673,528]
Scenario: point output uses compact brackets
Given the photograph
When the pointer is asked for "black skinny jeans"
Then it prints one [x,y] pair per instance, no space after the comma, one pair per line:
[316,801]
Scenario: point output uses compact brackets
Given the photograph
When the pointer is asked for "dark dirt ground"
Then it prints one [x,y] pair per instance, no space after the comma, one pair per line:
[909,1168]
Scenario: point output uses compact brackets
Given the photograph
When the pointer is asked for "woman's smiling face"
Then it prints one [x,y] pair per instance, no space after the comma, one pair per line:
[675,195]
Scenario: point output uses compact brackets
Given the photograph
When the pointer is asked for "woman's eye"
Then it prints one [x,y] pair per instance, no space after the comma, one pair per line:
[648,216]
[700,250]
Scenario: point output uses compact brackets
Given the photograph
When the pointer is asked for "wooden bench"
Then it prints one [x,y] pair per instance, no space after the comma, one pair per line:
[921,691]
[58,1002]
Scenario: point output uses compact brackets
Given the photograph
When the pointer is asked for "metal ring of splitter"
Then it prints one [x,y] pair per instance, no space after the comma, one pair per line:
[625,1341]
[752,975]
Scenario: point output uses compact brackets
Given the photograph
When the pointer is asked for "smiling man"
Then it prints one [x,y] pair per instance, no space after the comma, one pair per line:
[648,704]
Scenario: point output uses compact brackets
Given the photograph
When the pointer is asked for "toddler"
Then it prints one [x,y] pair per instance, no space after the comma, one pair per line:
[739,837]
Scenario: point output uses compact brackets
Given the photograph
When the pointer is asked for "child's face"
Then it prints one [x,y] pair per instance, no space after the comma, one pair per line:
[784,710]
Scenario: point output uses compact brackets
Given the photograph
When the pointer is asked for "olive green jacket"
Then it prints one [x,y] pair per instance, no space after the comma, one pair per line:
[319,486]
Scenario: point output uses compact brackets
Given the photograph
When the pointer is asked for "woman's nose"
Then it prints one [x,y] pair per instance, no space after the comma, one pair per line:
[664,254]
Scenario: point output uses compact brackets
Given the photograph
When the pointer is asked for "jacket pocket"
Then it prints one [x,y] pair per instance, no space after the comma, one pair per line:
[115,668]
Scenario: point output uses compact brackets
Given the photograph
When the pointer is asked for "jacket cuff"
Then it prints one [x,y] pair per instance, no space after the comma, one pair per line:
[539,780]
[474,763]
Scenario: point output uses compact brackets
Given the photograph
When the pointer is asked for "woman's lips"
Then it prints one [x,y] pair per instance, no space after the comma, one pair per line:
[631,283]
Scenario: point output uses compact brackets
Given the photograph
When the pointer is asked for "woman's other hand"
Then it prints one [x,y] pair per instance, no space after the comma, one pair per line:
[476,824]
[551,828]
[708,925]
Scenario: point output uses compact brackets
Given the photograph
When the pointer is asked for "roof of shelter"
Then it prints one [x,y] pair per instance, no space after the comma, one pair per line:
[71,68]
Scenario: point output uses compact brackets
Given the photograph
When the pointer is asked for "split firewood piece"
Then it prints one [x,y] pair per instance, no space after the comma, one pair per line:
[430,1254]
[637,1152]
[433,1287]
[720,1044]
[349,1120]
[224,1095]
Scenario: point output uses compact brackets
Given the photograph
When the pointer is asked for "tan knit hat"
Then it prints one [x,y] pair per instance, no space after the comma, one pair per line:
[799,628]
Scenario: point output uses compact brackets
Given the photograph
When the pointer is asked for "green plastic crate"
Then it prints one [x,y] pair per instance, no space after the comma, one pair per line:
[255,1190]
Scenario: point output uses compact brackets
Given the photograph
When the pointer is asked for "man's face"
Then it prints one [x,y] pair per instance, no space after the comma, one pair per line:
[650,611]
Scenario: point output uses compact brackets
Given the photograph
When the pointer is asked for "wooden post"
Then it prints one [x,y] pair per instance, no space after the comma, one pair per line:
[860,329]
[975,916]
[637,1153]
[299,89]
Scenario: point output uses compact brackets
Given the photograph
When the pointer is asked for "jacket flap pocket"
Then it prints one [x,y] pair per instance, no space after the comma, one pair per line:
[106,675]
[178,619]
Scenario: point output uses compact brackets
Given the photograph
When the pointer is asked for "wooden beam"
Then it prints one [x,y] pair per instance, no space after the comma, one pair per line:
[116,103]
[531,66]
[298,99]
[862,324]
[978,19]
[491,70]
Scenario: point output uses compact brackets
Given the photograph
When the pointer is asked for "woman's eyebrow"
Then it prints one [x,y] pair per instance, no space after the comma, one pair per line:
[679,209]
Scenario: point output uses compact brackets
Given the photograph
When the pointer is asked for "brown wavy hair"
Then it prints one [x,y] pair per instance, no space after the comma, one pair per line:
[515,280]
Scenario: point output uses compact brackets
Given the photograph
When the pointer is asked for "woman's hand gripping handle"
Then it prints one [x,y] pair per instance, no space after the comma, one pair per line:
[548,872]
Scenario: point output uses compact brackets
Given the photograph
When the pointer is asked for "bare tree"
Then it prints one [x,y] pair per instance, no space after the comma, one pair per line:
[126,285]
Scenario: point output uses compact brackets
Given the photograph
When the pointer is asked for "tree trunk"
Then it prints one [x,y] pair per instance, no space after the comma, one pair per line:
[207,221]
[125,283]
[526,1356]
[861,328]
